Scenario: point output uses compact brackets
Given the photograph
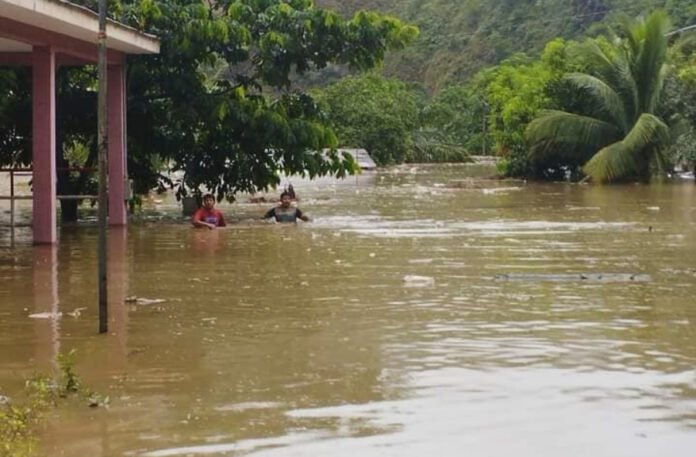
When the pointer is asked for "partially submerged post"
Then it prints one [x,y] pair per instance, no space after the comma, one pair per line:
[102,141]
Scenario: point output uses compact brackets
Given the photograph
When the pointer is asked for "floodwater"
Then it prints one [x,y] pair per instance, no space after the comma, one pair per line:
[421,313]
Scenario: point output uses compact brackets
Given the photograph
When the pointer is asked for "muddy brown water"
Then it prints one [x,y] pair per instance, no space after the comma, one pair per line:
[421,313]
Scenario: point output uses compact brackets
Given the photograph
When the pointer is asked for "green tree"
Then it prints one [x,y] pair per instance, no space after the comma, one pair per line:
[618,132]
[15,115]
[374,113]
[238,131]
[679,107]
[458,112]
[217,103]
[517,91]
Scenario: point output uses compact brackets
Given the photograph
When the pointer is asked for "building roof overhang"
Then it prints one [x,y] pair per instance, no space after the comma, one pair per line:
[59,18]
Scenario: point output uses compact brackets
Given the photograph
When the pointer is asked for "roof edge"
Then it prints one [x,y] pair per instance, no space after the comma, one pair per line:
[119,36]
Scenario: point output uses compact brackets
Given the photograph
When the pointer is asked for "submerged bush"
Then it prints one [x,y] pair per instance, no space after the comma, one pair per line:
[20,418]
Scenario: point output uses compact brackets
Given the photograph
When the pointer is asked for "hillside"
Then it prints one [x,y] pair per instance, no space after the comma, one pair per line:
[459,37]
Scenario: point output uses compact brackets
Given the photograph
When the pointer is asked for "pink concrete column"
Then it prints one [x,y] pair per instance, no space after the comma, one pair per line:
[117,146]
[44,144]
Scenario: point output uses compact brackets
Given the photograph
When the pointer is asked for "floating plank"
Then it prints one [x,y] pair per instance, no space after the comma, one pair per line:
[573,277]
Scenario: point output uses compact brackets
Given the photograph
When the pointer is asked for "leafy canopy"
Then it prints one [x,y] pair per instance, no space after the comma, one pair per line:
[217,103]
[236,131]
[461,37]
[374,113]
[617,126]
[516,91]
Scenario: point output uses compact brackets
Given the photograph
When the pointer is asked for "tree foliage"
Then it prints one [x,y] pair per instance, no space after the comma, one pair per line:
[679,108]
[461,37]
[518,90]
[236,132]
[374,113]
[617,125]
[458,113]
[217,103]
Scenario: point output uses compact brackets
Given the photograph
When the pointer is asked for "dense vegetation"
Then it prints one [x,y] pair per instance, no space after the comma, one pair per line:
[570,49]
[232,99]
[615,131]
[217,103]
[461,37]
[372,112]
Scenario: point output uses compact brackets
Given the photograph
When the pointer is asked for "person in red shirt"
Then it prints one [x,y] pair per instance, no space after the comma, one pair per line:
[207,215]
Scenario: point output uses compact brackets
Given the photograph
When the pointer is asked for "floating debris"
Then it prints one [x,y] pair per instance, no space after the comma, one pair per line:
[240,407]
[499,190]
[144,301]
[571,277]
[420,261]
[418,281]
[77,312]
[46,315]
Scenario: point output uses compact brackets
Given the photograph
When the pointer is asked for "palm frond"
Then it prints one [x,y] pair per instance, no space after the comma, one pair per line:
[611,164]
[629,157]
[650,61]
[649,133]
[553,128]
[594,56]
[609,101]
[632,34]
[614,68]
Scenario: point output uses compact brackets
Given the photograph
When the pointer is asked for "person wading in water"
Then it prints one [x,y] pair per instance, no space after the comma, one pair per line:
[285,212]
[207,215]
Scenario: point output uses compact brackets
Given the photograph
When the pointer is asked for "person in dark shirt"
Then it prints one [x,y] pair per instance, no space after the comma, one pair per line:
[285,212]
[207,215]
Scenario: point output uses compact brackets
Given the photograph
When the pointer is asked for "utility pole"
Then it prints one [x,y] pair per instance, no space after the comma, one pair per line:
[102,141]
[485,126]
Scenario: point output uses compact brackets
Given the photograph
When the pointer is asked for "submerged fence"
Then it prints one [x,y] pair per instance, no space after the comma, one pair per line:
[13,196]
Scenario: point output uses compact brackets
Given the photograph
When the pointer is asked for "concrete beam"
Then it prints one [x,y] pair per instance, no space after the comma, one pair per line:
[63,44]
[78,22]
[25,59]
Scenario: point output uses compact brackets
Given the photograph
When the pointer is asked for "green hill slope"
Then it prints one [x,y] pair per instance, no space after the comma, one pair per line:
[459,37]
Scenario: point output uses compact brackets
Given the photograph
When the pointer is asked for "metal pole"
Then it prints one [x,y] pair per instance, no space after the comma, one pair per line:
[102,145]
[485,126]
[12,209]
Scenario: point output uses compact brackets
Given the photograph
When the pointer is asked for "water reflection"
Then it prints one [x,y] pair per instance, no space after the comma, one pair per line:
[117,290]
[46,315]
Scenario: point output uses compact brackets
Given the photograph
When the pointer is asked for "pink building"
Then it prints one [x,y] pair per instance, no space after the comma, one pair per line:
[45,34]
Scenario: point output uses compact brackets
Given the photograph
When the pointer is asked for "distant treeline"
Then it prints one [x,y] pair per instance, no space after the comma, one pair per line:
[617,103]
[460,37]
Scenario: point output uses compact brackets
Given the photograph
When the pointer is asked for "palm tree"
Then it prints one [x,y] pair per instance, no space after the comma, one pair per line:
[618,134]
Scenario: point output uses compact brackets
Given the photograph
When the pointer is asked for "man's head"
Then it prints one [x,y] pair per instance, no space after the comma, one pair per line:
[285,199]
[208,201]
